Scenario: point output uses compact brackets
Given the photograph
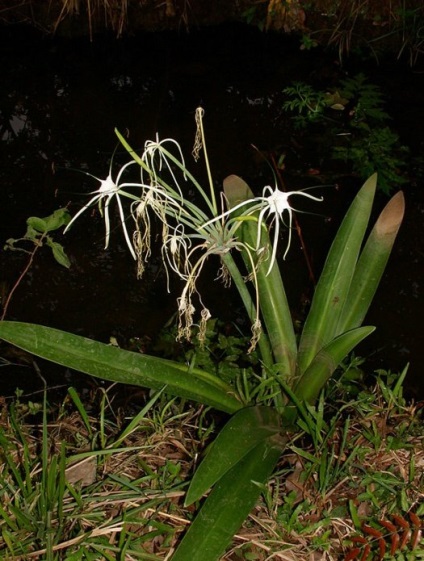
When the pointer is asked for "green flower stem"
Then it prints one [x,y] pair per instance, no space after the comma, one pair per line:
[170,190]
[276,313]
[237,277]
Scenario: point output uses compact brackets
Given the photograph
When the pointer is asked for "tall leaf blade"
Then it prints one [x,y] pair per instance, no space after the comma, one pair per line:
[371,264]
[335,280]
[117,365]
[229,504]
[273,301]
[245,430]
[326,361]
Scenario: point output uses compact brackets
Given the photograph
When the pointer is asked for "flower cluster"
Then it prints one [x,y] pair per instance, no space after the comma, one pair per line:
[189,235]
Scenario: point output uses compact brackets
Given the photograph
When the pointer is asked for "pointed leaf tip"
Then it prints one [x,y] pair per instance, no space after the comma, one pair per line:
[391,217]
[371,183]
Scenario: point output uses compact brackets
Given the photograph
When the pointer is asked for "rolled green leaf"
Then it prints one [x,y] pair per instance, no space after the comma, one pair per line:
[371,264]
[245,430]
[229,503]
[117,365]
[334,284]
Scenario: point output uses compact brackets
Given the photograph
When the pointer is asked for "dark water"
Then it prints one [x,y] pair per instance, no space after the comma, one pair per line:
[60,101]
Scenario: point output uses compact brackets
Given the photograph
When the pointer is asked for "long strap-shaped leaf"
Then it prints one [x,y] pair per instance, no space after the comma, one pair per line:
[229,504]
[111,363]
[240,435]
[335,280]
[326,361]
[273,301]
[372,263]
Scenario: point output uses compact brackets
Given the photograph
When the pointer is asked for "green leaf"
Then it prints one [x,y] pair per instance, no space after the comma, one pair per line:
[272,296]
[37,224]
[30,234]
[240,435]
[326,361]
[117,365]
[372,263]
[59,218]
[334,284]
[229,503]
[58,253]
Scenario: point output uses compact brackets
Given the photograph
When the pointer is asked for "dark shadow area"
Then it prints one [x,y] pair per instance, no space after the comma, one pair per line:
[60,100]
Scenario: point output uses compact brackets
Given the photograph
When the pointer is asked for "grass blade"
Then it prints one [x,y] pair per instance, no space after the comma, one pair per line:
[81,410]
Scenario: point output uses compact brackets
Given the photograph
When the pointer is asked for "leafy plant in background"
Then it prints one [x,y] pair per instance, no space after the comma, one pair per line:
[372,146]
[308,103]
[294,371]
[37,235]
[354,125]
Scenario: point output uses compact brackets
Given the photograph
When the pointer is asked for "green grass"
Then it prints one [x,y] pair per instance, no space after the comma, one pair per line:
[119,497]
[356,460]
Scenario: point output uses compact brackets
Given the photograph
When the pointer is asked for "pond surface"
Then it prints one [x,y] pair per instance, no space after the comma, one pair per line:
[60,101]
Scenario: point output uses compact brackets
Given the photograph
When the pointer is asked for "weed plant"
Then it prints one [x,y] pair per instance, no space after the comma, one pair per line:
[37,235]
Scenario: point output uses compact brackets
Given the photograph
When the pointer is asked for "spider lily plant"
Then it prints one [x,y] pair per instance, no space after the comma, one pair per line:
[295,367]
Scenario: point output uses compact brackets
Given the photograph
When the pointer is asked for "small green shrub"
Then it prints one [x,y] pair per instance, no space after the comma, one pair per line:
[354,123]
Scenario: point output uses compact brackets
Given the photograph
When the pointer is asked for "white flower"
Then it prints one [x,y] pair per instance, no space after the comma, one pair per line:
[105,193]
[155,199]
[176,245]
[272,203]
[154,150]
